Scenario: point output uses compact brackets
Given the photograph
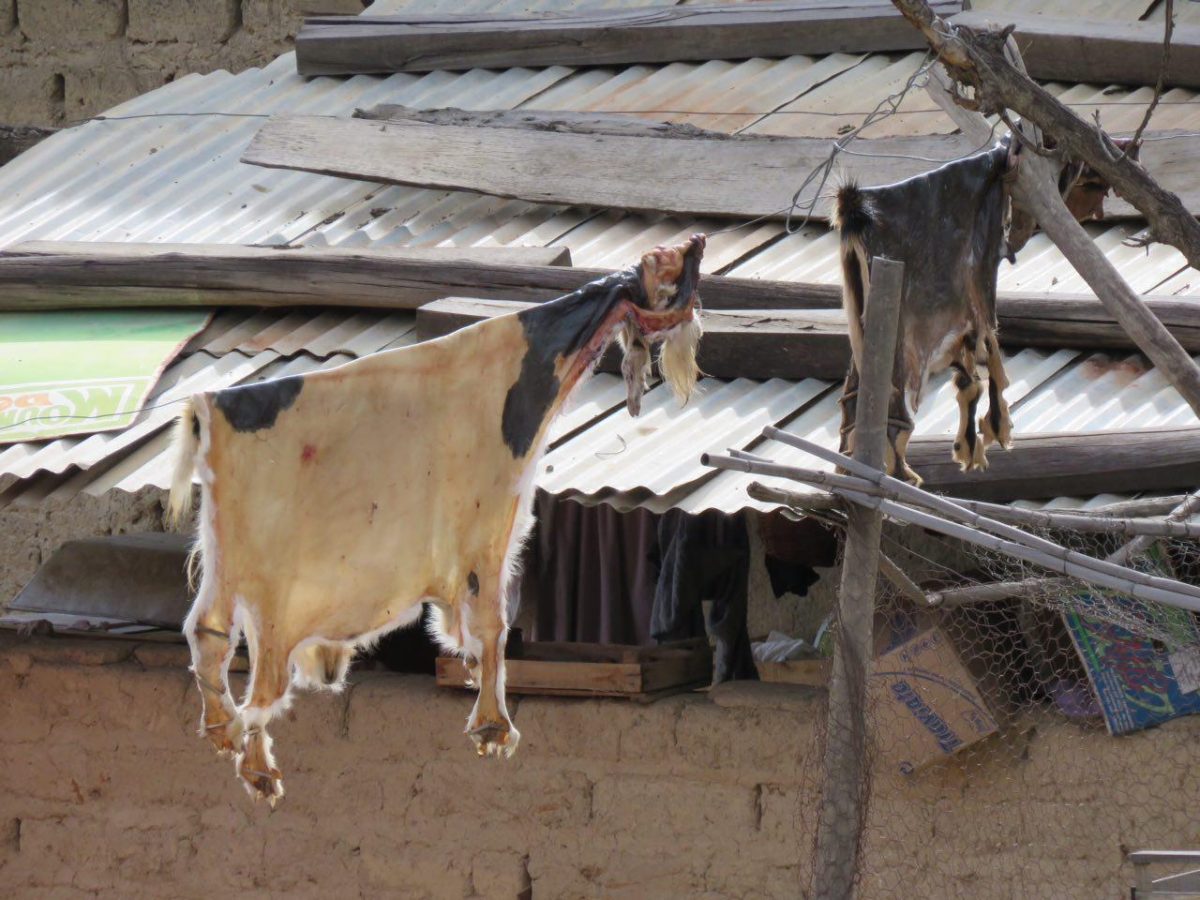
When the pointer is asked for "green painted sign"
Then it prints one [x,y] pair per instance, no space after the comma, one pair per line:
[81,371]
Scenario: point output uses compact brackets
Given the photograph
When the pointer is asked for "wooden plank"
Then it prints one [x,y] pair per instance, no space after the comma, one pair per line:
[526,675]
[1096,52]
[737,343]
[606,161]
[82,275]
[814,343]
[69,275]
[715,176]
[810,672]
[330,7]
[221,258]
[680,667]
[1080,321]
[16,139]
[1061,465]
[337,45]
[576,651]
[582,669]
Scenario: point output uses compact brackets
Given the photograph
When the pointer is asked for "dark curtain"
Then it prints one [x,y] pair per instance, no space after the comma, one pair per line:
[597,575]
[705,558]
[587,573]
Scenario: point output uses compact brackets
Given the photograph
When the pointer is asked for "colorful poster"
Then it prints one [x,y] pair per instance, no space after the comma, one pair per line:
[81,371]
[1131,674]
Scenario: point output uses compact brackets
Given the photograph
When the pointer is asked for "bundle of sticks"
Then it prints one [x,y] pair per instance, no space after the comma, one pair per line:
[986,525]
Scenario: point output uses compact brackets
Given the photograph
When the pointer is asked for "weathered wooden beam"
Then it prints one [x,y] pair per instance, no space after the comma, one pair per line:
[736,344]
[673,171]
[16,139]
[337,45]
[1066,465]
[1079,321]
[815,344]
[1093,51]
[1172,156]
[82,275]
[593,159]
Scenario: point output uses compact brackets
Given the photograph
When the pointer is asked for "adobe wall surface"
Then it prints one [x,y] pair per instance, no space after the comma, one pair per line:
[106,791]
[65,60]
[29,534]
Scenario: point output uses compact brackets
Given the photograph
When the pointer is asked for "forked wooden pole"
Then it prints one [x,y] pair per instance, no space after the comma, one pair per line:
[845,769]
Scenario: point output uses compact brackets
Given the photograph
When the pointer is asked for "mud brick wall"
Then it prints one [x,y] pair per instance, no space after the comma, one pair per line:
[105,790]
[64,60]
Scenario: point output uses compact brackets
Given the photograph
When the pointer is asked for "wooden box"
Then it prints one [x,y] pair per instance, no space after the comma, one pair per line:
[812,672]
[565,669]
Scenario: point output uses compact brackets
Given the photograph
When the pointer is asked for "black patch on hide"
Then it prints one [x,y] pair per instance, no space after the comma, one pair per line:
[556,329]
[252,407]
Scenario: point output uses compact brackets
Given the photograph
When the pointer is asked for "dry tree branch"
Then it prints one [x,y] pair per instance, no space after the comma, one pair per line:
[1168,29]
[977,60]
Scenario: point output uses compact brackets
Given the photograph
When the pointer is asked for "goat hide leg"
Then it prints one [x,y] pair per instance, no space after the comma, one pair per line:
[996,426]
[899,431]
[969,451]
[849,405]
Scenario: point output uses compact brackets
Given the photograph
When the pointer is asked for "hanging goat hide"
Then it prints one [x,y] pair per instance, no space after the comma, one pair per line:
[947,227]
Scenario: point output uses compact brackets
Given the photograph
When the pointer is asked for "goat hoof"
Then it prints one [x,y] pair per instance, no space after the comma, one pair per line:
[225,736]
[980,461]
[960,456]
[262,785]
[495,740]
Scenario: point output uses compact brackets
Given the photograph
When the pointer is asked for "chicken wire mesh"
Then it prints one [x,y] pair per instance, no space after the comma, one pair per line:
[1021,746]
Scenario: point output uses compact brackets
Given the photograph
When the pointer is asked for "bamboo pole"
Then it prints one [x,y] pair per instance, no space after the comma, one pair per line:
[1045,549]
[1138,508]
[1125,585]
[1160,526]
[845,762]
[1157,526]
[976,529]
[1029,587]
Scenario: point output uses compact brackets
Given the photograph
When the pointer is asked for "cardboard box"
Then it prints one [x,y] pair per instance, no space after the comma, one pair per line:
[924,703]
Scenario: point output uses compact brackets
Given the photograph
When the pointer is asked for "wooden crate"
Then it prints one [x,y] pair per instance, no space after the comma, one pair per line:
[813,672]
[564,669]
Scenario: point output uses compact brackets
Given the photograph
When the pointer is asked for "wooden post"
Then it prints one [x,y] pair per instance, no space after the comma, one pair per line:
[845,770]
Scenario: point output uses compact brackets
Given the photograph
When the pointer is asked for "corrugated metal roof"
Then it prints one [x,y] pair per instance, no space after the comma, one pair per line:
[164,167]
[653,461]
